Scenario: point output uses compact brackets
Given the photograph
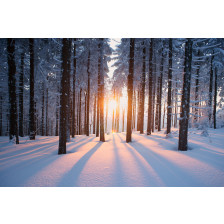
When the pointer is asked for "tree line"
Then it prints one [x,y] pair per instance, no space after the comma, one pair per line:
[60,86]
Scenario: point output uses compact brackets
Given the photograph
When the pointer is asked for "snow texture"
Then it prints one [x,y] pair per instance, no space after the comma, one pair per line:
[147,161]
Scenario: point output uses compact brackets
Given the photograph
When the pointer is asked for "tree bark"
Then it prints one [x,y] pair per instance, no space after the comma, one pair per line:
[169,100]
[73,102]
[21,84]
[149,125]
[88,96]
[32,112]
[13,123]
[63,97]
[215,99]
[160,92]
[185,102]
[130,89]
[142,93]
[102,135]
[210,90]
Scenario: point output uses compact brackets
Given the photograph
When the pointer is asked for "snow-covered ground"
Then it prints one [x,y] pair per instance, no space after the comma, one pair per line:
[147,161]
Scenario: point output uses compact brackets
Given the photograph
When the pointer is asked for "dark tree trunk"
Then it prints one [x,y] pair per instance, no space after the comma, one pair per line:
[63,97]
[46,117]
[149,124]
[98,95]
[94,117]
[77,115]
[88,96]
[185,102]
[74,80]
[160,92]
[21,84]
[154,93]
[43,106]
[169,100]
[85,120]
[215,99]
[130,89]
[142,94]
[102,135]
[113,128]
[80,110]
[32,112]
[210,90]
[68,114]
[13,123]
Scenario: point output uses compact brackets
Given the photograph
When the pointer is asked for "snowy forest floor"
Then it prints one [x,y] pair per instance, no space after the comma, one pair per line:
[147,161]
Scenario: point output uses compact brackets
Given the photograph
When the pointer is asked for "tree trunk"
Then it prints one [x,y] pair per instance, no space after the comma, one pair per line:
[13,123]
[32,112]
[185,102]
[21,84]
[102,135]
[73,102]
[215,99]
[130,89]
[85,119]
[68,117]
[142,93]
[149,125]
[43,106]
[160,92]
[80,110]
[94,117]
[88,96]
[46,117]
[169,100]
[210,91]
[63,97]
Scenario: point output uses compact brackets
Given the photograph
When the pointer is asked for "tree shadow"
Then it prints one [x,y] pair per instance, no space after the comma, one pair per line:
[71,178]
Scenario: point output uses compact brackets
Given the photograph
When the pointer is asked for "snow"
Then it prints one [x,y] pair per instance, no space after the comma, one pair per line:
[147,161]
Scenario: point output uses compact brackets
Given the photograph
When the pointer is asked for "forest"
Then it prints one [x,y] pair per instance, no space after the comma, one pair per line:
[98,89]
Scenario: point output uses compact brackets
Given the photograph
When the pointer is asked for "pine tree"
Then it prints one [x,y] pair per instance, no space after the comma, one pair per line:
[63,97]
[13,123]
[130,89]
[169,97]
[21,85]
[185,102]
[32,109]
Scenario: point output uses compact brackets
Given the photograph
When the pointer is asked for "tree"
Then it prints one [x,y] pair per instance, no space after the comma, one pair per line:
[169,100]
[63,97]
[142,93]
[149,125]
[21,84]
[130,89]
[13,123]
[101,92]
[185,102]
[88,96]
[74,80]
[32,109]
